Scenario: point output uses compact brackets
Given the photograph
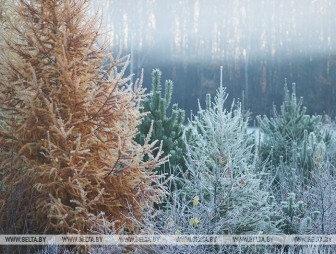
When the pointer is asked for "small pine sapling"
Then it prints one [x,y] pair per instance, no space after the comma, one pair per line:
[169,129]
[293,145]
[296,219]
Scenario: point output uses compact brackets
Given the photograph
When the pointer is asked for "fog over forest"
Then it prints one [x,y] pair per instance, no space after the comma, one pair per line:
[259,44]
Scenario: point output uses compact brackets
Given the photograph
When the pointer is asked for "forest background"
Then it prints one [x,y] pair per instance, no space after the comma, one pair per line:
[259,44]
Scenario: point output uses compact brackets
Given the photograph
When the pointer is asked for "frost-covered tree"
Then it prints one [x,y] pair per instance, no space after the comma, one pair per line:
[221,194]
[69,162]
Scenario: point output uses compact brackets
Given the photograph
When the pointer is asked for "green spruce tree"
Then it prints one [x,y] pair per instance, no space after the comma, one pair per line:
[220,194]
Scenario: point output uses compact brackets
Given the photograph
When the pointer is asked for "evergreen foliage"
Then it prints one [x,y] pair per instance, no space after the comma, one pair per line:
[293,213]
[294,143]
[295,217]
[294,149]
[69,162]
[220,193]
[169,129]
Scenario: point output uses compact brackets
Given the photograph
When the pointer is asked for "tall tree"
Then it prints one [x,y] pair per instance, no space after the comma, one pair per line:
[69,162]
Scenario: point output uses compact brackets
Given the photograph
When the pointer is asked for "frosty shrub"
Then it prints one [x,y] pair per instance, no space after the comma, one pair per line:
[321,199]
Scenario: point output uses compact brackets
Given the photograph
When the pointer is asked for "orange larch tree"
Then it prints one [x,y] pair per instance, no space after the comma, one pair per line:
[69,162]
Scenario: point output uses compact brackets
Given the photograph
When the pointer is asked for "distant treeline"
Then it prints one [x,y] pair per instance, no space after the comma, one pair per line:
[258,83]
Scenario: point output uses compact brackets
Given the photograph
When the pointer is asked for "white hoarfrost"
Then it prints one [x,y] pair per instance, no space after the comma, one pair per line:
[220,193]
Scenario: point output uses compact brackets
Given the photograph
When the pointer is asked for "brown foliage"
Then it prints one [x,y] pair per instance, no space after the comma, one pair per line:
[68,159]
